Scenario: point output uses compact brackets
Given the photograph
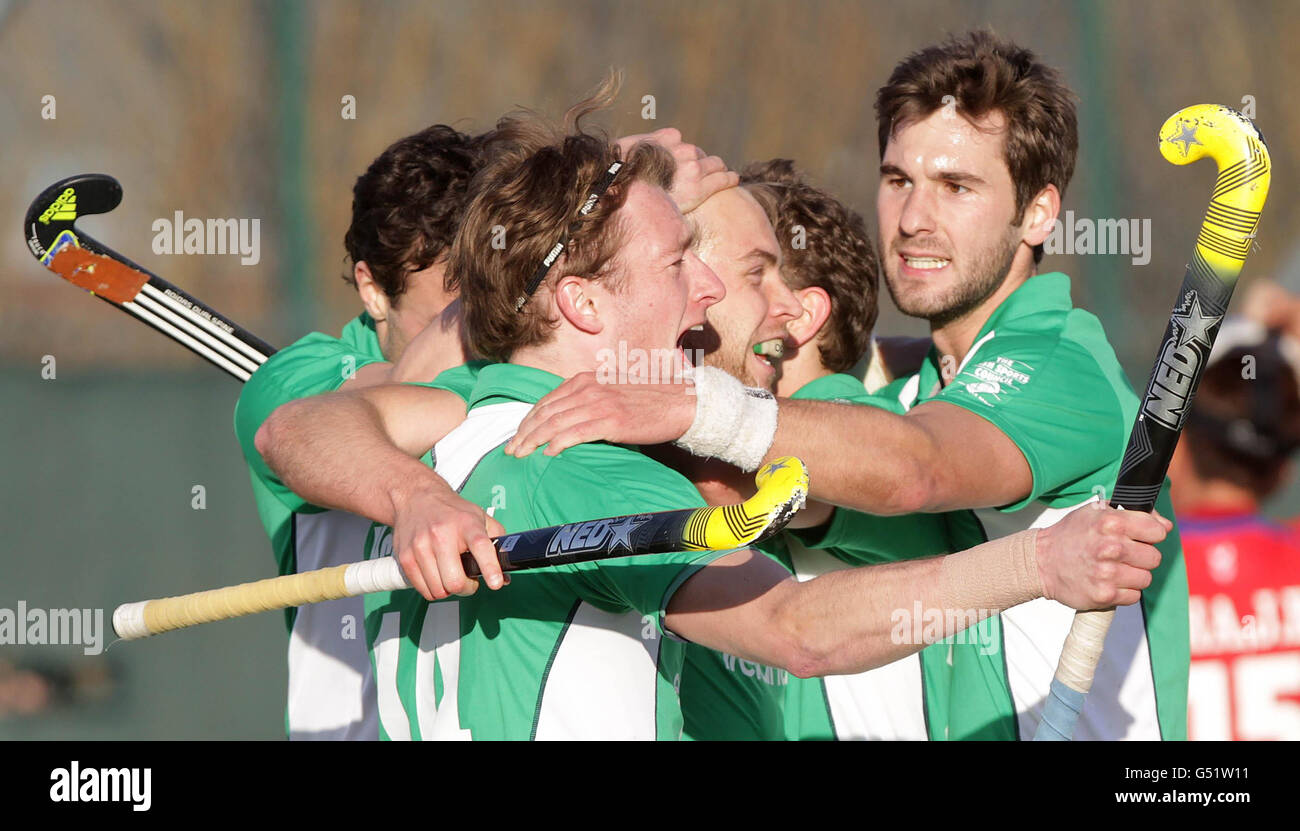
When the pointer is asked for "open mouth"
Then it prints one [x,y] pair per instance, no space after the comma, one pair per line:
[769,352]
[689,343]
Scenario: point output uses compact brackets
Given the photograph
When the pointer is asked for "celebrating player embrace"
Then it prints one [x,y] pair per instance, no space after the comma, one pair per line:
[1020,411]
[596,650]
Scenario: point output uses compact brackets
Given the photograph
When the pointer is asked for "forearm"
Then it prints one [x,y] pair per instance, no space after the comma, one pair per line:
[889,470]
[857,619]
[334,452]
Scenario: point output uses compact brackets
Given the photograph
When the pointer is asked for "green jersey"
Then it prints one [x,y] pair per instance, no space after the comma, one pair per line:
[1043,373]
[725,698]
[905,699]
[331,694]
[570,652]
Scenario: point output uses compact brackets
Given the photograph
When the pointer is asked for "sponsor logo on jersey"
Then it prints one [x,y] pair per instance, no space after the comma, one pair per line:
[63,208]
[596,535]
[992,379]
[1181,357]
[771,676]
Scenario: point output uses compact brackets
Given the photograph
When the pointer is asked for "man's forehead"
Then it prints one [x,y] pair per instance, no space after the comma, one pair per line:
[654,219]
[946,140]
[732,223]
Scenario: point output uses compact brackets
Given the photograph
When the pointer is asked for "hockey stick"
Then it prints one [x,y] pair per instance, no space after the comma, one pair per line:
[53,238]
[1227,233]
[782,488]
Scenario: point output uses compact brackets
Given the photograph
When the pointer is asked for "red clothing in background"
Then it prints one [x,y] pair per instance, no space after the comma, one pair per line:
[1243,575]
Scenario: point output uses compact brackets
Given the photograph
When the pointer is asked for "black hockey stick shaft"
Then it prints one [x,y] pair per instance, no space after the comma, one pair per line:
[1225,238]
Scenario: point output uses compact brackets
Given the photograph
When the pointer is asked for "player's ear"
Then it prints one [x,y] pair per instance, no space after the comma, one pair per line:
[372,296]
[816,305]
[577,301]
[1040,214]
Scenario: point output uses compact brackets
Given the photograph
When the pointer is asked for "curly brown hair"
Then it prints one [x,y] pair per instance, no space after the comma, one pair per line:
[984,74]
[408,204]
[836,255]
[526,200]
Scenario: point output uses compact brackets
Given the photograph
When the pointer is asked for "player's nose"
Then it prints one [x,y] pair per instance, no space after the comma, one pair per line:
[706,288]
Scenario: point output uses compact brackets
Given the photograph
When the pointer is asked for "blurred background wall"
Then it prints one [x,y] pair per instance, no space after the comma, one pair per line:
[235,109]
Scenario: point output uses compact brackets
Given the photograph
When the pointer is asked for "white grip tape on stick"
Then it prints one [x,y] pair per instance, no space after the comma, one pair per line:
[1082,649]
[383,574]
[151,617]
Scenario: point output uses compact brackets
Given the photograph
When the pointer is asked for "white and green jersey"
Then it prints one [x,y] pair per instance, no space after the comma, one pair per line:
[331,693]
[905,699]
[725,698]
[569,652]
[1044,374]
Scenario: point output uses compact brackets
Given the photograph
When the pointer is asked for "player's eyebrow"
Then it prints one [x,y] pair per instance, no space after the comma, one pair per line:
[684,244]
[762,254]
[692,237]
[956,176]
[959,177]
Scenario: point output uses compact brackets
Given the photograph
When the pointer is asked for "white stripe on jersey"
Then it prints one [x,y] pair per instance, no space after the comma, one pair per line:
[886,703]
[387,644]
[331,688]
[1122,704]
[602,682]
[603,679]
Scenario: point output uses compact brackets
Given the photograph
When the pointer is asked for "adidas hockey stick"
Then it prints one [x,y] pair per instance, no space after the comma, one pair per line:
[1226,235]
[782,488]
[53,238]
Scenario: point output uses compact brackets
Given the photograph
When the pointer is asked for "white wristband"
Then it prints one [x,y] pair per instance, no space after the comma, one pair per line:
[733,422]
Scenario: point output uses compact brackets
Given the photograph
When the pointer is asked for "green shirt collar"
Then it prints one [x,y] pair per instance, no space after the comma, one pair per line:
[1040,293]
[360,335]
[831,387]
[512,382]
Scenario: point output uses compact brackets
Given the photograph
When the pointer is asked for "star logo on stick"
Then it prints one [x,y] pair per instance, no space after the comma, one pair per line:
[1195,325]
[1186,135]
[622,532]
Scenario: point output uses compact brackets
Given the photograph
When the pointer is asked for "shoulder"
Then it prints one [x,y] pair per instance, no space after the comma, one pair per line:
[459,379]
[618,477]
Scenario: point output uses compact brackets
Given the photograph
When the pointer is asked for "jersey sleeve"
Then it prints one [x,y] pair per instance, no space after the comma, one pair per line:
[315,364]
[1052,399]
[591,486]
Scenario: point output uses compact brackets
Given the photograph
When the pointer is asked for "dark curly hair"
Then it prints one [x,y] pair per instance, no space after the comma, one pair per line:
[836,255]
[408,204]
